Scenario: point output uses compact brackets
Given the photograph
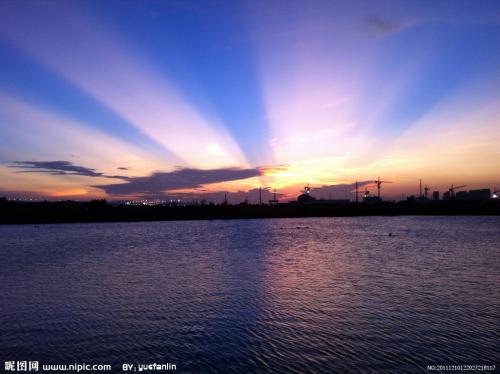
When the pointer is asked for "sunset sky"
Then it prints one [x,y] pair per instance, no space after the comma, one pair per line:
[132,99]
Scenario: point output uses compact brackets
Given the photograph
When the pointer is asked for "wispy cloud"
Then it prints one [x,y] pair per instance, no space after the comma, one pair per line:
[56,168]
[379,26]
[60,168]
[382,25]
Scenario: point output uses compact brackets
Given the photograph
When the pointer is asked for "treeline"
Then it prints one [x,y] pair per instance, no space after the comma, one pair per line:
[14,212]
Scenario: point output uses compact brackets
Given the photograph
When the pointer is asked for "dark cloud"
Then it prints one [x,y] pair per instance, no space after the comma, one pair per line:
[159,182]
[153,185]
[56,168]
[380,26]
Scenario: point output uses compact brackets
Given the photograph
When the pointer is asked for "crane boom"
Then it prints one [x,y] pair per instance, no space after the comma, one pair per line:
[453,188]
[378,182]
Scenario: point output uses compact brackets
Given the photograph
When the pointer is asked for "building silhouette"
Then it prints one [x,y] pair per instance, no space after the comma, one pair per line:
[474,195]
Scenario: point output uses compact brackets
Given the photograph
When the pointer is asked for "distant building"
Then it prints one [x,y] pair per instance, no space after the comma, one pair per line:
[435,195]
[306,198]
[422,200]
[274,201]
[482,194]
[474,195]
[335,201]
[371,199]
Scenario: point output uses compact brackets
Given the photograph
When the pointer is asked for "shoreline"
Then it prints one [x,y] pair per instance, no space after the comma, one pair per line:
[14,212]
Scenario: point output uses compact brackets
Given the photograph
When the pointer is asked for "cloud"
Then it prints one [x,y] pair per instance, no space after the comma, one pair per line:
[60,168]
[382,26]
[56,168]
[270,170]
[159,182]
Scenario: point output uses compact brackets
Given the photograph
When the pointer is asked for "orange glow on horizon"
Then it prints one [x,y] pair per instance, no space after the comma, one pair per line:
[70,192]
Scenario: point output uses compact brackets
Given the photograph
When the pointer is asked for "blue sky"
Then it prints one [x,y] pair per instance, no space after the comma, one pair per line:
[328,91]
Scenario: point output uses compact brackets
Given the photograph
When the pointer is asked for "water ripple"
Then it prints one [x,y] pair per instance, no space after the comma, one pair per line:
[315,295]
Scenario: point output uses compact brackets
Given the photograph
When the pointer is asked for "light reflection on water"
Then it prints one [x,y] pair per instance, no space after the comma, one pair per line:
[280,295]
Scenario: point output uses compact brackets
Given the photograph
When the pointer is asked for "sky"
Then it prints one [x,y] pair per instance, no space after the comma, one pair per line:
[198,99]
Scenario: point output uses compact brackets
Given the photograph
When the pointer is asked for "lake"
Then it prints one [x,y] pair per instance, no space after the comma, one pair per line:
[244,296]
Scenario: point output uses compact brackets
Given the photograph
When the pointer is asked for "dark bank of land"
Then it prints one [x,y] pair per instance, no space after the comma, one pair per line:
[16,212]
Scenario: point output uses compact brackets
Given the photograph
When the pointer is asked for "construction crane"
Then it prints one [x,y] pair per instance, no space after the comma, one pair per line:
[378,182]
[367,193]
[426,191]
[274,200]
[452,190]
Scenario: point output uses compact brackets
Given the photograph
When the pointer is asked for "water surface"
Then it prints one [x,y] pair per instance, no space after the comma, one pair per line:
[277,295]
